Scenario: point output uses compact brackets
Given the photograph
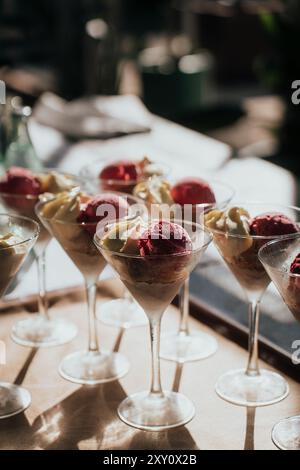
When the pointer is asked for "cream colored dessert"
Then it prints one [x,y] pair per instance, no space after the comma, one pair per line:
[154,191]
[60,216]
[11,257]
[231,235]
[233,221]
[152,279]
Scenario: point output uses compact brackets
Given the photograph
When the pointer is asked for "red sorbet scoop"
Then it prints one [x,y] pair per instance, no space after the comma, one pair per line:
[295,266]
[20,181]
[269,224]
[192,191]
[108,206]
[164,238]
[122,170]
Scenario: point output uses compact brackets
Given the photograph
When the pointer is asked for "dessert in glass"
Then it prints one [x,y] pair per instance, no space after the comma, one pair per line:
[20,190]
[238,233]
[121,175]
[17,237]
[153,260]
[188,198]
[72,218]
[281,259]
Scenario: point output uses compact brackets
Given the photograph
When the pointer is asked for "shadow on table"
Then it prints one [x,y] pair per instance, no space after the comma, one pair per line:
[250,428]
[90,413]
[173,439]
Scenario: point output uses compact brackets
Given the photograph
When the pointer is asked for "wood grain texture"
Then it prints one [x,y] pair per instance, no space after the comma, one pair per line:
[67,416]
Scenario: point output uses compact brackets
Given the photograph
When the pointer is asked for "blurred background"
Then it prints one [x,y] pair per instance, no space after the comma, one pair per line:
[221,67]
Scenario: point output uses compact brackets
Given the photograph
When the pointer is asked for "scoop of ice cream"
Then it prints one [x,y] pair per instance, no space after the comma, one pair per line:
[163,238]
[9,239]
[106,206]
[154,191]
[123,236]
[233,221]
[272,224]
[20,181]
[65,207]
[122,170]
[192,191]
[55,182]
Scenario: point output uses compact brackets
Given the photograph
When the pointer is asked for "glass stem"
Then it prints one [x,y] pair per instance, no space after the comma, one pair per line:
[155,345]
[91,292]
[184,298]
[42,298]
[252,367]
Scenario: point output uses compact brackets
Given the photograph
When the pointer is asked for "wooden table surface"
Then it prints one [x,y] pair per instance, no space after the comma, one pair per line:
[66,416]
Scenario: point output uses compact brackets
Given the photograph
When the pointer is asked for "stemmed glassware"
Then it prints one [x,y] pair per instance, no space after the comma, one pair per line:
[187,344]
[154,281]
[251,386]
[123,312]
[24,232]
[277,256]
[39,330]
[90,366]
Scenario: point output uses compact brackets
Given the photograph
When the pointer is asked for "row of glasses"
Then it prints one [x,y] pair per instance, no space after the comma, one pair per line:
[249,388]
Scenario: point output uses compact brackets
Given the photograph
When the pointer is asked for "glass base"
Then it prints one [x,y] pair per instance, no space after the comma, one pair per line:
[264,389]
[37,332]
[156,413]
[180,347]
[92,368]
[286,434]
[13,400]
[122,313]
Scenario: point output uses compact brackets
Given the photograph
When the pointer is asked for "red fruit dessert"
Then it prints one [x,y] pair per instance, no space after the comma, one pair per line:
[106,206]
[20,181]
[164,238]
[122,170]
[192,191]
[272,224]
[292,294]
[295,266]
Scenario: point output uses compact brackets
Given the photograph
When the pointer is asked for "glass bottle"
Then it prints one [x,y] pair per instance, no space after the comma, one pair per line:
[20,151]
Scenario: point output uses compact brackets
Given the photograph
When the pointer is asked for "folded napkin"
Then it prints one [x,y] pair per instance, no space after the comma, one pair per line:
[93,117]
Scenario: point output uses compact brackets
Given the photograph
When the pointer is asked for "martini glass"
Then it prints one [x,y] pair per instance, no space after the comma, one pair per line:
[251,386]
[124,312]
[186,344]
[277,256]
[90,366]
[14,399]
[154,281]
[39,330]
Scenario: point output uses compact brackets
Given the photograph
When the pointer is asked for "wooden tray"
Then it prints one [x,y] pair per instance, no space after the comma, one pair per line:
[66,416]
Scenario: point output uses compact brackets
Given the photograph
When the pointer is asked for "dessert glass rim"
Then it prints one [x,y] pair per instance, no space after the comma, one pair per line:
[293,236]
[89,224]
[84,171]
[97,241]
[26,219]
[33,197]
[257,237]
